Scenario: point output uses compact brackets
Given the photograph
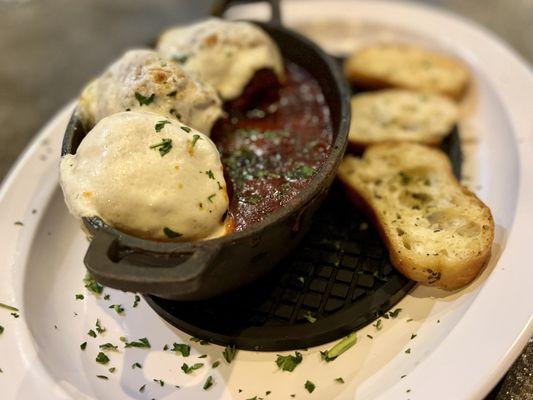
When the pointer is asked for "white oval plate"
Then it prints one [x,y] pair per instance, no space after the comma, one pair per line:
[465,340]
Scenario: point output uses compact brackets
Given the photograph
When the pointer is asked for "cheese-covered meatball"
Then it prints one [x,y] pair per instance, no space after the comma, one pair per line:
[143,80]
[222,53]
[148,176]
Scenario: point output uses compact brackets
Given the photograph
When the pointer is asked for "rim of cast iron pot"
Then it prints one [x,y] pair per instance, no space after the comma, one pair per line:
[312,189]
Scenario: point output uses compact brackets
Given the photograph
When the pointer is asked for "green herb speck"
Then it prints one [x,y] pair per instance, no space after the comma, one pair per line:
[143,100]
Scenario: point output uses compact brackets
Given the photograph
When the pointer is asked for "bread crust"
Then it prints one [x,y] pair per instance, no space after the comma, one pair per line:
[449,275]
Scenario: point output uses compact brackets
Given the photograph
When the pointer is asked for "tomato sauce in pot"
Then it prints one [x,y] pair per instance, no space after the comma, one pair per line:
[273,150]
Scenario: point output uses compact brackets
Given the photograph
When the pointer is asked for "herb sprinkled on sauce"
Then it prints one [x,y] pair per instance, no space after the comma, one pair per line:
[171,234]
[160,125]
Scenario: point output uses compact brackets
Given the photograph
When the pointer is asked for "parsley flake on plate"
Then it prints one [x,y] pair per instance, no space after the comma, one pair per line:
[378,325]
[108,346]
[160,381]
[99,327]
[91,333]
[339,348]
[310,386]
[102,358]
[136,365]
[339,380]
[8,307]
[83,346]
[1,329]
[136,301]
[229,353]
[408,351]
[208,383]
[112,369]
[141,389]
[79,297]
[188,369]
[288,363]
[215,364]
[103,377]
[395,313]
[141,343]
[118,308]
[182,348]
[143,100]
[91,284]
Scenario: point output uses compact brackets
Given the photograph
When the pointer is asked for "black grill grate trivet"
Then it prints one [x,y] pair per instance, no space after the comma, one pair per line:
[340,277]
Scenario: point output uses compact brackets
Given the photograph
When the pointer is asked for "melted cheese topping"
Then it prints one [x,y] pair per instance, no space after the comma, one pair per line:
[224,54]
[143,80]
[124,173]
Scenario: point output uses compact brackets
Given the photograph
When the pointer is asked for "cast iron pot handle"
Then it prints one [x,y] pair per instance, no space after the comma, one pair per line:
[148,272]
[221,6]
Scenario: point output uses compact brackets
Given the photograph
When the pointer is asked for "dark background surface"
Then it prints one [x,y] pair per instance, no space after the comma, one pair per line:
[50,48]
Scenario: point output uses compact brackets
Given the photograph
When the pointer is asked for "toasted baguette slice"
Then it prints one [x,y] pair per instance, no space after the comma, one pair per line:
[437,232]
[402,66]
[400,115]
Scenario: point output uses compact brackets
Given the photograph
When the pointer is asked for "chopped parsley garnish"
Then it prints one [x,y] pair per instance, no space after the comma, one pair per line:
[92,285]
[409,320]
[19,223]
[229,353]
[210,197]
[203,356]
[208,383]
[102,358]
[136,365]
[403,376]
[83,346]
[136,301]
[302,172]
[187,129]
[108,346]
[144,101]
[339,348]
[210,174]
[79,297]
[107,297]
[172,94]
[310,386]
[122,339]
[395,313]
[16,315]
[308,316]
[141,389]
[112,369]
[201,341]
[408,351]
[413,336]
[163,147]
[182,348]
[181,59]
[215,364]
[195,138]
[8,307]
[141,343]
[171,234]
[339,380]
[160,125]
[160,381]
[288,363]
[378,325]
[188,369]
[1,329]
[105,378]
[117,307]
[267,392]
[165,347]
[91,333]
[99,327]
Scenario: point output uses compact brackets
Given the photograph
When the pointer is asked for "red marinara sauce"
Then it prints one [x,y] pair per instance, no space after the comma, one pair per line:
[273,150]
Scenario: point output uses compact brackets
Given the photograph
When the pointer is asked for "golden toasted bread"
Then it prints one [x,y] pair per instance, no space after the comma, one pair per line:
[437,232]
[401,66]
[400,115]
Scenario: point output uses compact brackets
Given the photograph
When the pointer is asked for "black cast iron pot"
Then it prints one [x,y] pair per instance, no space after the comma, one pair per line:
[204,269]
